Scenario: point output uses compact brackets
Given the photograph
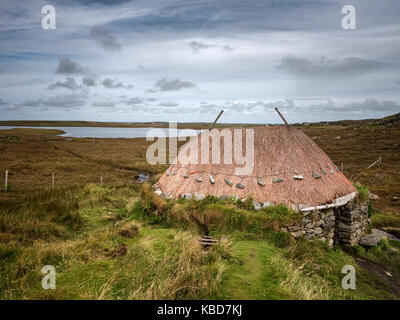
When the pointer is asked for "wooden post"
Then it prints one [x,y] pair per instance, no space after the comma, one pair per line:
[52,180]
[377,161]
[282,117]
[101,180]
[215,121]
[6,181]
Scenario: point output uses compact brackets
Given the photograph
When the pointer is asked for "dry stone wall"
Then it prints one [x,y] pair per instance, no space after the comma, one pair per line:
[351,222]
[345,224]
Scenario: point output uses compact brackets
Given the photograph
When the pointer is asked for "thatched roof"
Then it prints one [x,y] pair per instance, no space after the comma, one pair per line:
[289,169]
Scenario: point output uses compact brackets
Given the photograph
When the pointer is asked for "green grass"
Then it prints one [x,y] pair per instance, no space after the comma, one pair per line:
[363,192]
[159,263]
[212,215]
[385,220]
[81,231]
[249,274]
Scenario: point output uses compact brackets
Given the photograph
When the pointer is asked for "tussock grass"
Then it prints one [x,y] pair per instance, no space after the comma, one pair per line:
[154,264]
[151,203]
[120,249]
[363,192]
[129,230]
[212,214]
[386,253]
[42,215]
[184,271]
[385,220]
[298,283]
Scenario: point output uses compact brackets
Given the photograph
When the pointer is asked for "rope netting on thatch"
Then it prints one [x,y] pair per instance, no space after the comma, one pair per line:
[289,168]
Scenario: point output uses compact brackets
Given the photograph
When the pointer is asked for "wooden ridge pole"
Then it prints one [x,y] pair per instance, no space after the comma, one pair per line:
[282,117]
[215,121]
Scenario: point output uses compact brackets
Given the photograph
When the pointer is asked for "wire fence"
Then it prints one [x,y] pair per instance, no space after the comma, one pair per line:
[16,182]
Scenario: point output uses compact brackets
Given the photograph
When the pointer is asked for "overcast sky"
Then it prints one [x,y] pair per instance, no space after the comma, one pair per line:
[166,60]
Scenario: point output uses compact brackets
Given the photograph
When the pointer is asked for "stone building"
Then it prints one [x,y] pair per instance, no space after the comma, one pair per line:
[286,167]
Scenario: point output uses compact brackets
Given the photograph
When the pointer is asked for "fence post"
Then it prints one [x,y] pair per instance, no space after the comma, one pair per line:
[101,180]
[6,181]
[52,180]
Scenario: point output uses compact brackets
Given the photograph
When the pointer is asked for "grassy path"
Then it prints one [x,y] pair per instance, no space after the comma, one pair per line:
[250,275]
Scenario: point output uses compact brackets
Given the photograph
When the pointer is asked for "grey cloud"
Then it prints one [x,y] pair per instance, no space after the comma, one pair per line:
[69,84]
[139,104]
[247,107]
[209,107]
[104,104]
[254,107]
[168,104]
[6,106]
[330,67]
[102,2]
[89,82]
[107,40]
[113,84]
[67,66]
[67,101]
[227,48]
[198,46]
[357,107]
[133,101]
[137,101]
[31,103]
[179,110]
[167,84]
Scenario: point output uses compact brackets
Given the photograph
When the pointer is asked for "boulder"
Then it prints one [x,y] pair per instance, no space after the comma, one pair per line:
[302,206]
[256,205]
[267,204]
[370,240]
[198,196]
[373,196]
[169,196]
[297,234]
[143,177]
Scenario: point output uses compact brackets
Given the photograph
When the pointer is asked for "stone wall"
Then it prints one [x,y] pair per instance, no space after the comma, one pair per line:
[345,224]
[351,222]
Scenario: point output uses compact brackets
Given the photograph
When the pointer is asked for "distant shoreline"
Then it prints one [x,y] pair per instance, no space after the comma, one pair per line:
[186,125]
[154,124]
